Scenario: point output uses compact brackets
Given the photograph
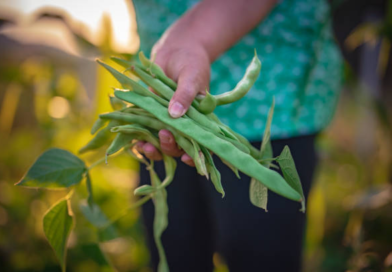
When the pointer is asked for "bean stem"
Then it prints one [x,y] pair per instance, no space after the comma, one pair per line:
[96,163]
[123,213]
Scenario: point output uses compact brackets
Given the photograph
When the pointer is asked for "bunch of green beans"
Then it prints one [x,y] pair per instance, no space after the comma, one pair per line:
[139,115]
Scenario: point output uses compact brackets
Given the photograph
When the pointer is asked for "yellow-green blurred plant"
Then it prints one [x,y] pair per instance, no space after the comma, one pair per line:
[371,33]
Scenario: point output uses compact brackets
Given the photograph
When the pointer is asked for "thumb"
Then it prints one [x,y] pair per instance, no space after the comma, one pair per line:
[190,83]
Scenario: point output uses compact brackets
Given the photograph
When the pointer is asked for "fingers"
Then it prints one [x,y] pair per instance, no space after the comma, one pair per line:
[168,144]
[190,83]
[149,151]
[187,160]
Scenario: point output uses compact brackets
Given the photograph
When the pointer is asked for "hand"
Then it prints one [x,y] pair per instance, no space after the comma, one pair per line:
[188,65]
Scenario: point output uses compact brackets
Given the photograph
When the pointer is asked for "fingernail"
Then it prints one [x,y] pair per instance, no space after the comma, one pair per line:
[176,110]
[164,138]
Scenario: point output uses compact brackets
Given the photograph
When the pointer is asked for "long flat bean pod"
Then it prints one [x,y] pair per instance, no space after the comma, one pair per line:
[158,125]
[156,71]
[132,118]
[253,151]
[127,82]
[155,124]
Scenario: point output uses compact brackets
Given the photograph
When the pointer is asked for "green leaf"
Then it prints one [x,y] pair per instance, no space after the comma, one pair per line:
[290,173]
[94,252]
[58,224]
[94,215]
[55,168]
[106,230]
[258,193]
[101,138]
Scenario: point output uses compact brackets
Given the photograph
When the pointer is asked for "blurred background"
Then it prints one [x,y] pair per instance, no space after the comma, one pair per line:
[51,91]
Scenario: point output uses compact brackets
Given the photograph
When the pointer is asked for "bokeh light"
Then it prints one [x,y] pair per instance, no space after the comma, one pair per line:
[58,107]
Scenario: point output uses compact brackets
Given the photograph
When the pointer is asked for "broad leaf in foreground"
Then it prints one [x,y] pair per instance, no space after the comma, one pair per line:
[58,224]
[287,165]
[55,168]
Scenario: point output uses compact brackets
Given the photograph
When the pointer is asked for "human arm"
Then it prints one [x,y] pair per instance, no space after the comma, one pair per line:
[191,44]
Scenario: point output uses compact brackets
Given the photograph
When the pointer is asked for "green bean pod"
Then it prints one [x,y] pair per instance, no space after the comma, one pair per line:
[207,104]
[214,173]
[116,103]
[98,124]
[119,142]
[134,119]
[160,218]
[243,86]
[154,83]
[127,82]
[156,71]
[235,170]
[254,152]
[137,111]
[199,159]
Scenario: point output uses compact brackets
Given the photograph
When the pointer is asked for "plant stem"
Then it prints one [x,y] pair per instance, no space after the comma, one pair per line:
[90,199]
[101,160]
[138,203]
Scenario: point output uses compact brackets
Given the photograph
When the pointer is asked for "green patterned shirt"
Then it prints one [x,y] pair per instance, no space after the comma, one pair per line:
[301,66]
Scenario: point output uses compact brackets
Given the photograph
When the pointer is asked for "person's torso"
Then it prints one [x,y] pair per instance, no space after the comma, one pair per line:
[301,66]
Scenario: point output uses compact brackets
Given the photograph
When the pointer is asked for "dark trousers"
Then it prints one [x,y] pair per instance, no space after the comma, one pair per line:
[247,237]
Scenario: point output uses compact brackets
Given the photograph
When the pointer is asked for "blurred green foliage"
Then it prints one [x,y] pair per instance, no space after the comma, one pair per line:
[43,105]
